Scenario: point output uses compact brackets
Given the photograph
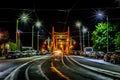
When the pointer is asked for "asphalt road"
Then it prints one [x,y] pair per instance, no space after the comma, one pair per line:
[47,67]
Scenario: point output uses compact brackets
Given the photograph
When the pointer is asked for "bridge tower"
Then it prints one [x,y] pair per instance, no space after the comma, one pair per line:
[60,41]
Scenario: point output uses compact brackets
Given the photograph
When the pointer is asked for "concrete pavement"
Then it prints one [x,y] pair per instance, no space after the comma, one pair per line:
[2,58]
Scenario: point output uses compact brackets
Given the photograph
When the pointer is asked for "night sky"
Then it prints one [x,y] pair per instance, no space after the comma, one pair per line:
[57,13]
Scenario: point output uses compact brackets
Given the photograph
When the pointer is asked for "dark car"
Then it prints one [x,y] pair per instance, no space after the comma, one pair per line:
[107,56]
[11,55]
[115,57]
[100,54]
[19,54]
[38,52]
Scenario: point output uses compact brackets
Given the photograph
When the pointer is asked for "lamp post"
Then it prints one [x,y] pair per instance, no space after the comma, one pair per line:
[48,41]
[18,40]
[78,24]
[107,35]
[38,25]
[17,32]
[24,17]
[101,15]
[84,30]
[33,37]
[88,38]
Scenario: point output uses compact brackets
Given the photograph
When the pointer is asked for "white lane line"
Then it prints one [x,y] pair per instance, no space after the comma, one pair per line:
[2,74]
[111,73]
[41,71]
[69,60]
[12,74]
[67,66]
[26,72]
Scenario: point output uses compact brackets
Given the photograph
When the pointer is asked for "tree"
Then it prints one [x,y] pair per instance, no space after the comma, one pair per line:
[117,40]
[13,46]
[99,37]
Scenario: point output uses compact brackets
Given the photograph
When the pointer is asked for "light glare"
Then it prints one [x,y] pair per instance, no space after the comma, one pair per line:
[24,17]
[38,24]
[78,24]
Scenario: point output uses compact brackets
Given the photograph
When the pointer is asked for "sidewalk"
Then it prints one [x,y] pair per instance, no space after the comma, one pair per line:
[1,58]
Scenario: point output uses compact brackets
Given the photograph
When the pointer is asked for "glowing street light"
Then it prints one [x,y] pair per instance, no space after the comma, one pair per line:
[24,18]
[78,24]
[100,15]
[38,25]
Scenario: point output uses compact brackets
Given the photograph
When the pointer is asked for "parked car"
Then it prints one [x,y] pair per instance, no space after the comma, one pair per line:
[91,54]
[11,55]
[38,52]
[88,51]
[100,54]
[107,56]
[44,52]
[115,57]
[19,54]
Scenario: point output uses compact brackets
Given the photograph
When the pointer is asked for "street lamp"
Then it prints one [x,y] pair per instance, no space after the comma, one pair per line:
[84,30]
[33,37]
[78,24]
[24,18]
[88,39]
[38,25]
[100,14]
[48,41]
[107,35]
[19,32]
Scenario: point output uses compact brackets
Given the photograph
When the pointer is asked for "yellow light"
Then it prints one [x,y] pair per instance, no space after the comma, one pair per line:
[45,42]
[71,46]
[61,42]
[74,42]
[57,53]
[61,46]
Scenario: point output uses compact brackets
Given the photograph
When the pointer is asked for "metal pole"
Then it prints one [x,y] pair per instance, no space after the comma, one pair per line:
[38,40]
[83,40]
[17,33]
[88,39]
[48,40]
[80,39]
[33,37]
[107,36]
[18,41]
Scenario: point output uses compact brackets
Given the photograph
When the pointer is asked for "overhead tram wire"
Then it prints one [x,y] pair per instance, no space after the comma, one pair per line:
[16,9]
[68,12]
[62,10]
[37,15]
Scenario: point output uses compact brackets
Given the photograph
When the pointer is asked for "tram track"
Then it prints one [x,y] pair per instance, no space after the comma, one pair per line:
[21,72]
[83,72]
[106,73]
[62,68]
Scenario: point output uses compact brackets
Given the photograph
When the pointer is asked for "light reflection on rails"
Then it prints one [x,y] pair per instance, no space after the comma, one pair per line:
[12,75]
[77,69]
[98,70]
[39,68]
[58,72]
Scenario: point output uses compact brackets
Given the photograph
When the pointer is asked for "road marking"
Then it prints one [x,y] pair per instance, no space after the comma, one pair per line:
[58,72]
[26,72]
[68,66]
[12,74]
[107,72]
[40,69]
